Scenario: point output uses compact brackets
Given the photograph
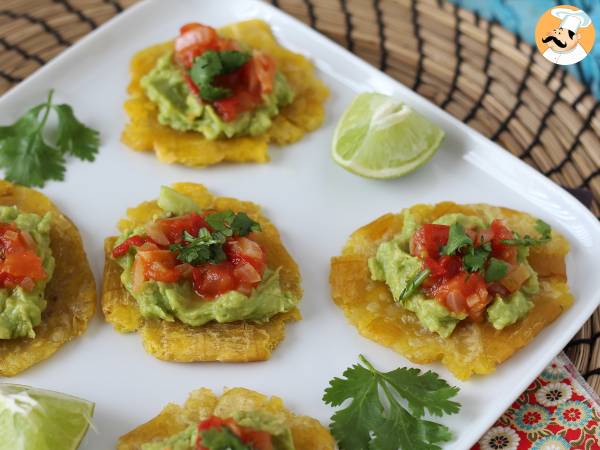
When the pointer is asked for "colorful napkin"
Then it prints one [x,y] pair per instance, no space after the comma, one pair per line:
[558,411]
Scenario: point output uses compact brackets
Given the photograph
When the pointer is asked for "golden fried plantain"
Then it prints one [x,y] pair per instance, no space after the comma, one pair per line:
[174,341]
[304,114]
[308,433]
[71,293]
[473,348]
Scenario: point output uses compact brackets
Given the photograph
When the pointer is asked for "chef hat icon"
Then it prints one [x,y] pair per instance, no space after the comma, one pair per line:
[572,19]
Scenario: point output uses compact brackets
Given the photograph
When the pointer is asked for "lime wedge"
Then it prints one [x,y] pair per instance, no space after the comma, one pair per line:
[35,419]
[381,137]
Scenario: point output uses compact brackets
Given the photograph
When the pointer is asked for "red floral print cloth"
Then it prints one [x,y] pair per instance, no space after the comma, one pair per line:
[558,411]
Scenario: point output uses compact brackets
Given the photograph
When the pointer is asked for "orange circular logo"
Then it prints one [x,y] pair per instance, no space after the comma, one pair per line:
[564,35]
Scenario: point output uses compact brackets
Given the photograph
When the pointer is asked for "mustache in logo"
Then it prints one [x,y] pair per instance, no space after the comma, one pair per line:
[556,41]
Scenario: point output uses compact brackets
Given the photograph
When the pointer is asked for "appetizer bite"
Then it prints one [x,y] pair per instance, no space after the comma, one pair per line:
[220,95]
[203,278]
[47,290]
[467,285]
[239,419]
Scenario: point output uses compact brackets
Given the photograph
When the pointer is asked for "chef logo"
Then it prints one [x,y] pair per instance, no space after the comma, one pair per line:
[564,35]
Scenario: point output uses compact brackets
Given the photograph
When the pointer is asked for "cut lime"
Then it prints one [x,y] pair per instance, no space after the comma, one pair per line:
[35,419]
[381,137]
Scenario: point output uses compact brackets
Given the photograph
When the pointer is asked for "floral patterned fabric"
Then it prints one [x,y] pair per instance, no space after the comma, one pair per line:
[558,411]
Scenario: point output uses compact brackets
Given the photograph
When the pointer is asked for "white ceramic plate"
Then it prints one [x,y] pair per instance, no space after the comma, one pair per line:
[315,204]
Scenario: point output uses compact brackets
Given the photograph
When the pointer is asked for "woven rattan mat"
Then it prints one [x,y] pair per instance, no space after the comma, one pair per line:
[474,69]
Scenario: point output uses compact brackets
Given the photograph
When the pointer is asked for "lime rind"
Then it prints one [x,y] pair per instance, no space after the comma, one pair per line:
[37,419]
[381,137]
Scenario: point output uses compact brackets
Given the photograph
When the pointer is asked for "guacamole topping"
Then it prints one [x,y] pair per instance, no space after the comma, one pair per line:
[195,273]
[219,88]
[26,268]
[245,430]
[459,268]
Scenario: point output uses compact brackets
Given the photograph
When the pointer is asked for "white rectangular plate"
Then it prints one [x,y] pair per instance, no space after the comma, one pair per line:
[314,203]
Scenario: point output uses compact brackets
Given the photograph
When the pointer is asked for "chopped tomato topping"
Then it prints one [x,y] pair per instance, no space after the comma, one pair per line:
[259,440]
[159,265]
[174,228]
[122,249]
[19,263]
[464,293]
[502,251]
[211,280]
[429,239]
[194,39]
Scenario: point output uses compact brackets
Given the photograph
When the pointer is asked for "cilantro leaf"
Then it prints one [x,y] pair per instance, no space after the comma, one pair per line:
[232,224]
[206,247]
[222,438]
[212,64]
[243,225]
[366,424]
[457,238]
[541,227]
[413,284]
[73,137]
[496,270]
[28,159]
[475,260]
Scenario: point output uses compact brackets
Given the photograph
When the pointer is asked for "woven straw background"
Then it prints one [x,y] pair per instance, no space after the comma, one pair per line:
[474,69]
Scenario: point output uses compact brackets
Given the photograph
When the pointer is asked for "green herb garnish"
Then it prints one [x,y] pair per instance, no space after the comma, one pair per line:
[207,247]
[212,64]
[476,257]
[29,160]
[457,238]
[375,418]
[541,227]
[496,270]
[413,284]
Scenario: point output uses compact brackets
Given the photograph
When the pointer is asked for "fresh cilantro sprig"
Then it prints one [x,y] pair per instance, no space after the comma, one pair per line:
[413,283]
[496,270]
[476,257]
[212,64]
[526,241]
[208,245]
[375,418]
[28,159]
[457,239]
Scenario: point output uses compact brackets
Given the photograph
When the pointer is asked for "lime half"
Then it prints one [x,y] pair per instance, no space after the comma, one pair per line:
[35,419]
[381,137]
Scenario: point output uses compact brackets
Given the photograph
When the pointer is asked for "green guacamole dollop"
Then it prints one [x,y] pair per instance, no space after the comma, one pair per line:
[257,420]
[21,310]
[171,301]
[180,109]
[394,265]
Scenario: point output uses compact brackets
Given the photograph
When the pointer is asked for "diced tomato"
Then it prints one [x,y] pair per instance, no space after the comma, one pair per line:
[159,265]
[244,249]
[428,240]
[264,67]
[259,440]
[497,289]
[499,250]
[23,264]
[227,108]
[174,228]
[464,293]
[211,280]
[122,249]
[194,39]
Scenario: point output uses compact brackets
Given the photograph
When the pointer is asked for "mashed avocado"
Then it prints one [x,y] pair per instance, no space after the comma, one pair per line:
[21,310]
[170,301]
[256,420]
[182,110]
[394,265]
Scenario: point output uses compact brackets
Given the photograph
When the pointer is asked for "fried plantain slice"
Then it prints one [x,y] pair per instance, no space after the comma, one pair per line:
[174,341]
[71,293]
[473,348]
[304,114]
[308,433]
